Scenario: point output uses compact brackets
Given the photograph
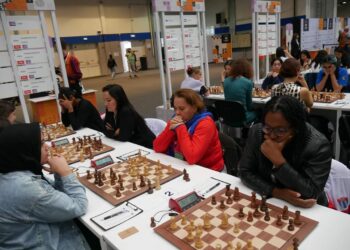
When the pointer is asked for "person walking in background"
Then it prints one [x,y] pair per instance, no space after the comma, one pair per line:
[112,65]
[295,50]
[130,55]
[74,73]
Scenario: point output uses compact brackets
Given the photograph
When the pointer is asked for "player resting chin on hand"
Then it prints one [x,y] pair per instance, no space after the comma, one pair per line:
[285,157]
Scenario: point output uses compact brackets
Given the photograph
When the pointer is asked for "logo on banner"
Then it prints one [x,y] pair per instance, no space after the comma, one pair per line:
[306,25]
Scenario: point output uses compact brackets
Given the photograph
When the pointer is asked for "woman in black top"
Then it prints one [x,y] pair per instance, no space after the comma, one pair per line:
[122,122]
[78,112]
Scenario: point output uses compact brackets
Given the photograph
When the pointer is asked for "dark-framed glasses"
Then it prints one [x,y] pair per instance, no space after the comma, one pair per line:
[280,131]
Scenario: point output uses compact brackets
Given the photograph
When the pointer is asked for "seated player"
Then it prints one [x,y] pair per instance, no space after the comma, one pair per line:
[7,113]
[191,132]
[285,157]
[226,72]
[194,82]
[305,60]
[331,78]
[35,214]
[239,86]
[78,112]
[290,71]
[122,122]
[273,77]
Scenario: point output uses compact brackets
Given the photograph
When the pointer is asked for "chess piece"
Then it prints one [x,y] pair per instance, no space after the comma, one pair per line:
[112,181]
[229,199]
[249,245]
[250,217]
[285,214]
[229,246]
[117,193]
[121,184]
[157,183]
[222,204]
[267,215]
[295,244]
[213,200]
[218,247]
[170,169]
[263,205]
[236,228]
[189,236]
[104,176]
[145,171]
[224,221]
[187,177]
[238,246]
[198,242]
[236,195]
[183,219]
[81,157]
[191,226]
[291,225]
[279,220]
[96,179]
[153,223]
[150,188]
[241,213]
[173,225]
[88,175]
[228,188]
[184,172]
[134,187]
[90,153]
[253,200]
[206,221]
[297,218]
[256,213]
[199,230]
[142,181]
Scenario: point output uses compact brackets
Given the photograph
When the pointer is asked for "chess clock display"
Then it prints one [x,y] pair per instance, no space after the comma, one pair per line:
[184,202]
[60,142]
[102,162]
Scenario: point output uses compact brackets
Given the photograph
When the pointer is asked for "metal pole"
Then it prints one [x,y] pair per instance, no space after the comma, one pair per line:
[59,48]
[170,91]
[183,41]
[255,51]
[200,44]
[160,60]
[207,79]
[14,66]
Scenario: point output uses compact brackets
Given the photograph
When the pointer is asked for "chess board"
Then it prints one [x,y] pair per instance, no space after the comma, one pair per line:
[260,93]
[55,131]
[326,97]
[78,149]
[216,90]
[129,175]
[264,234]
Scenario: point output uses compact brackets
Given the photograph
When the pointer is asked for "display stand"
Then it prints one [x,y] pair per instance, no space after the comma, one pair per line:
[181,25]
[26,52]
[265,33]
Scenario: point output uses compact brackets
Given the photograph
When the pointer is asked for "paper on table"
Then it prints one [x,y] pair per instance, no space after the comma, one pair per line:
[208,187]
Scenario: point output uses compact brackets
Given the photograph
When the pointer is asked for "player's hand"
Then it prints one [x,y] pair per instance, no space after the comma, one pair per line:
[59,165]
[302,81]
[175,122]
[117,132]
[292,197]
[332,70]
[66,104]
[109,126]
[273,150]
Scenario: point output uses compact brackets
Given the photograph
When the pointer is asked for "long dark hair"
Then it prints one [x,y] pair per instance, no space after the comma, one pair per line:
[6,108]
[321,54]
[117,92]
[241,67]
[280,52]
[294,112]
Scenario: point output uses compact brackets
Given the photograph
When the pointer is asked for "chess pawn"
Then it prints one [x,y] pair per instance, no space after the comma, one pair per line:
[229,199]
[183,219]
[206,221]
[238,246]
[134,187]
[199,230]
[198,243]
[190,236]
[88,175]
[222,204]
[213,200]
[285,214]
[291,225]
[236,195]
[249,245]
[153,223]
[150,188]
[104,176]
[100,182]
[157,183]
[121,185]
[279,220]
[228,189]
[267,215]
[191,226]
[224,221]
[250,217]
[117,193]
[236,228]
[112,181]
[142,181]
[173,225]
[241,213]
[256,213]
[229,246]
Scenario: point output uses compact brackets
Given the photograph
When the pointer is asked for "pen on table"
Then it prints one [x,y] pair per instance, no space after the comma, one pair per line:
[113,215]
[211,188]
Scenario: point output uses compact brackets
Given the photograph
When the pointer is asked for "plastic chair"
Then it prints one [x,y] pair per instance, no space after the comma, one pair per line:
[232,153]
[337,187]
[155,125]
[231,113]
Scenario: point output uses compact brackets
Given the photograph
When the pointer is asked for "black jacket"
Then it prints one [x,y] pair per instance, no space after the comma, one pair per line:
[84,115]
[306,171]
[132,128]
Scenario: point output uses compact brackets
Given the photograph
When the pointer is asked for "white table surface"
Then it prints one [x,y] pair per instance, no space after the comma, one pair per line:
[53,97]
[330,233]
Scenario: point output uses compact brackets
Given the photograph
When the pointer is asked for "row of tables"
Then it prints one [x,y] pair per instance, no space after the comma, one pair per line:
[331,111]
[332,228]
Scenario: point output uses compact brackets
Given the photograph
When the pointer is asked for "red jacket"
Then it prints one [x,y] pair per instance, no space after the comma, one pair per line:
[202,148]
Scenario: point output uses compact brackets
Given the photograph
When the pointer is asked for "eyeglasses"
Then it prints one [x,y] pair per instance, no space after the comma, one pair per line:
[276,131]
[327,67]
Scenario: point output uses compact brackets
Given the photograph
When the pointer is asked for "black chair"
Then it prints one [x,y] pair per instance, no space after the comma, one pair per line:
[232,153]
[310,78]
[232,114]
[344,136]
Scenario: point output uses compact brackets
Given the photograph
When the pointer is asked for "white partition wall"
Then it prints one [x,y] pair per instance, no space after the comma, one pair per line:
[181,26]
[265,32]
[26,52]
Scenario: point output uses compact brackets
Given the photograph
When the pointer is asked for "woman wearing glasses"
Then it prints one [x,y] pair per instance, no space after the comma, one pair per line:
[285,157]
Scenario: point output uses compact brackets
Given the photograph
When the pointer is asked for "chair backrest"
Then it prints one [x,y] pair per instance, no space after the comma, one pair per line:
[344,130]
[155,125]
[231,113]
[311,78]
[232,153]
[338,187]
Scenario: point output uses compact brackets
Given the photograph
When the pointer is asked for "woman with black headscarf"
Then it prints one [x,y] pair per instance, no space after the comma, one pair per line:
[35,214]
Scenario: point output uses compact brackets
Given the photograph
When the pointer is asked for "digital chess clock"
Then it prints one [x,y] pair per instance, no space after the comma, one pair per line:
[60,142]
[184,202]
[102,162]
